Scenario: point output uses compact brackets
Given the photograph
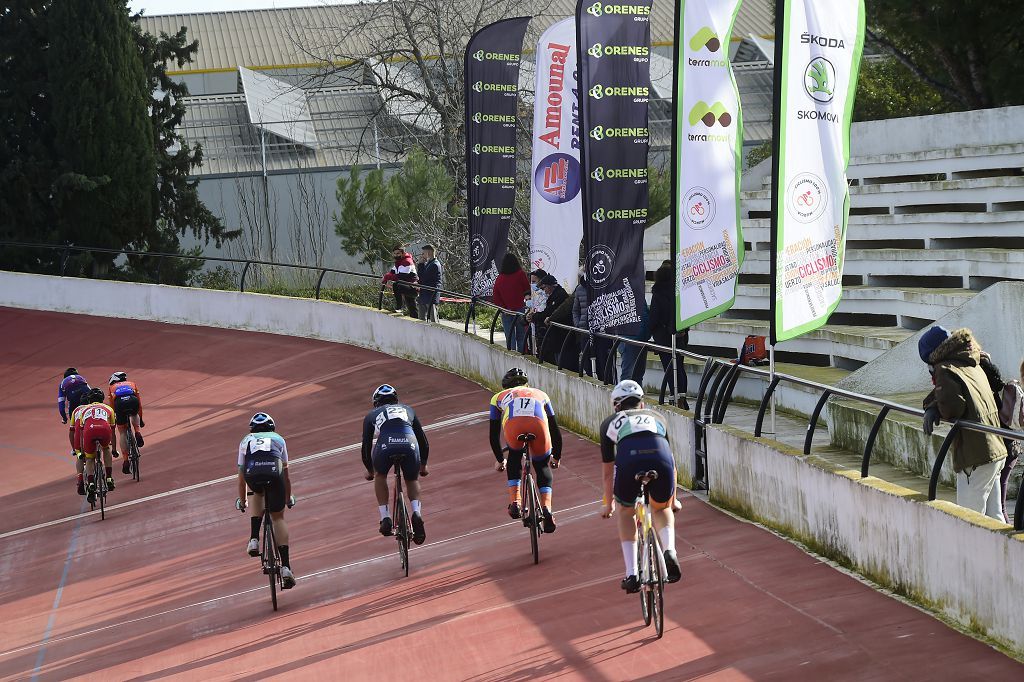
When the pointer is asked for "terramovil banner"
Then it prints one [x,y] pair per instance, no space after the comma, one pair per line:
[614,41]
[556,214]
[492,85]
[706,162]
[817,59]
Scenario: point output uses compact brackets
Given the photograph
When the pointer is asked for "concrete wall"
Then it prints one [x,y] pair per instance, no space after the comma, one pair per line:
[959,563]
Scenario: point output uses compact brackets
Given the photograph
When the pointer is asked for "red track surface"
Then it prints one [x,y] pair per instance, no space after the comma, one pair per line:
[163,588]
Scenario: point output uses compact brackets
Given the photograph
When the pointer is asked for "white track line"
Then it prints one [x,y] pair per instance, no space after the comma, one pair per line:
[454,421]
[214,600]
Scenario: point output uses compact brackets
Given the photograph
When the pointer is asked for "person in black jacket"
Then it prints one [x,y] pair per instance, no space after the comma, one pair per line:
[429,272]
[663,320]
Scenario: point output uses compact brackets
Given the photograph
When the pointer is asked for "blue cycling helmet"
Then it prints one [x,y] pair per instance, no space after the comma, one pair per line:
[385,394]
[261,422]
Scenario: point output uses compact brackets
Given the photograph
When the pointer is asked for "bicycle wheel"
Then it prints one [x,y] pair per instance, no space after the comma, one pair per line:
[533,504]
[270,560]
[402,531]
[642,572]
[101,490]
[133,453]
[657,582]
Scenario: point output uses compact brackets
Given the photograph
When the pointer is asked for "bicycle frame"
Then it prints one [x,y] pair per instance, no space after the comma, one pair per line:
[402,521]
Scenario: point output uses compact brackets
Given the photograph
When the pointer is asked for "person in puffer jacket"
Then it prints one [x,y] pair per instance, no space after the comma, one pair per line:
[962,392]
[400,278]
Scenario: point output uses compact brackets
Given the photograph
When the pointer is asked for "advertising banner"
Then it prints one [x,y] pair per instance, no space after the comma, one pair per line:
[614,44]
[556,213]
[492,87]
[817,59]
[706,162]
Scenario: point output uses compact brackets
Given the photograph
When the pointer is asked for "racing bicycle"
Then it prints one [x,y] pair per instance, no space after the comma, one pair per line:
[532,512]
[98,487]
[270,557]
[133,452]
[650,560]
[403,523]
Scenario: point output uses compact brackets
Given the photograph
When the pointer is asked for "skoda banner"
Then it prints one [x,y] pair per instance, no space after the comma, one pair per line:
[706,162]
[817,58]
[492,87]
[613,42]
[556,214]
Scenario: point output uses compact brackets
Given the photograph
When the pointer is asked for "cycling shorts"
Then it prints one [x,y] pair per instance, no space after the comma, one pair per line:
[263,474]
[638,454]
[515,426]
[125,406]
[94,430]
[389,445]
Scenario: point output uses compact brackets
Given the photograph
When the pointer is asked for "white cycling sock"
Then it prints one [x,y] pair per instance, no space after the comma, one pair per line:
[416,507]
[383,509]
[629,554]
[667,535]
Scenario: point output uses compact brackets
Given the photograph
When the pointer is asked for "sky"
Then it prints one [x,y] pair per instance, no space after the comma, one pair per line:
[154,7]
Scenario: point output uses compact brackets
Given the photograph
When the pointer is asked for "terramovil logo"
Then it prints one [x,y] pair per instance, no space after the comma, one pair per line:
[557,178]
[478,249]
[806,197]
[819,80]
[595,50]
[478,86]
[705,37]
[703,113]
[599,265]
[698,208]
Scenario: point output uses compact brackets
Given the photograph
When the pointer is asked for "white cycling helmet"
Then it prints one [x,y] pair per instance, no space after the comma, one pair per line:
[626,389]
[118,376]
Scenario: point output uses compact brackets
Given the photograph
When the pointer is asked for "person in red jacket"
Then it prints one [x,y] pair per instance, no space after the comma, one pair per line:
[400,278]
[510,290]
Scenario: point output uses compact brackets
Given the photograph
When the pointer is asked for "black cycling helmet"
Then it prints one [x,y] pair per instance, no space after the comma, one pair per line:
[261,422]
[384,395]
[96,395]
[514,377]
[70,371]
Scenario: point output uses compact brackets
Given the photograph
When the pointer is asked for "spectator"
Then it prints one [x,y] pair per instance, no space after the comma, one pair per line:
[663,322]
[401,278]
[510,291]
[634,358]
[429,272]
[962,392]
[536,303]
[556,336]
[581,316]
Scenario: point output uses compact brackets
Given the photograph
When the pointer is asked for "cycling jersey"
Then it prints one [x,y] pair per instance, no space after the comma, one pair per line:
[262,457]
[126,399]
[92,424]
[269,442]
[397,430]
[70,394]
[637,442]
[524,410]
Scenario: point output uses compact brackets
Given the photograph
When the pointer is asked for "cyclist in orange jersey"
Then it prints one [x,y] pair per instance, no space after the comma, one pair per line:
[126,399]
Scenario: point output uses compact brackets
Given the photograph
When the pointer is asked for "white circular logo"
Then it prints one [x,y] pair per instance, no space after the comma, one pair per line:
[599,265]
[542,257]
[478,250]
[807,197]
[698,208]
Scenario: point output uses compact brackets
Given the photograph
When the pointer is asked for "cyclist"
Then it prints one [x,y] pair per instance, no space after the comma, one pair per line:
[263,463]
[94,423]
[634,440]
[398,431]
[126,400]
[71,392]
[517,410]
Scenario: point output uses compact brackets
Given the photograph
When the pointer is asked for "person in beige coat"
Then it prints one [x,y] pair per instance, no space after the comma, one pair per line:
[962,392]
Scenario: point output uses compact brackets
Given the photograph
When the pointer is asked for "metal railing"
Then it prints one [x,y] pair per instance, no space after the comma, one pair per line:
[715,390]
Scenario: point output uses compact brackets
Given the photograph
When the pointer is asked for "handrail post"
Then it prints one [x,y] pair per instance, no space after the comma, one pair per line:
[713,393]
[583,353]
[469,313]
[933,482]
[610,375]
[320,281]
[65,256]
[813,424]
[241,283]
[866,462]
[718,416]
[561,351]
[494,320]
[764,404]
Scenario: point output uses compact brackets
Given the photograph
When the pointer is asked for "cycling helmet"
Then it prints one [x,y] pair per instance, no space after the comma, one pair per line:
[624,390]
[118,376]
[514,377]
[96,395]
[261,422]
[70,371]
[384,394]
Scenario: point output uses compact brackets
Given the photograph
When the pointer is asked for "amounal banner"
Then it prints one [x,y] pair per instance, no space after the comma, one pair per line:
[556,214]
[614,40]
[817,59]
[706,158]
[492,86]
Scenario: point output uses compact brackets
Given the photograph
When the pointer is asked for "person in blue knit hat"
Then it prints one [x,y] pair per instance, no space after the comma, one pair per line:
[962,391]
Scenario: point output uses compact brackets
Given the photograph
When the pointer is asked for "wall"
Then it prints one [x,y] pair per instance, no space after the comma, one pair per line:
[957,562]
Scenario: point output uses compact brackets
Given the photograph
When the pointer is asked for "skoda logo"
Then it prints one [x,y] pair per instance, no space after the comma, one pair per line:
[595,50]
[597,132]
[598,173]
[820,80]
[595,9]
[597,92]
[598,215]
[599,265]
[478,86]
[478,55]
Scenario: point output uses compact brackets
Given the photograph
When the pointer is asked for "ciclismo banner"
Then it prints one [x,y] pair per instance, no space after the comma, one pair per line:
[818,51]
[556,214]
[706,157]
[614,43]
[491,73]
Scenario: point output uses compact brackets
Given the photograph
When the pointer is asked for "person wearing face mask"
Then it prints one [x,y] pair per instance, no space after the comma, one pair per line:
[536,302]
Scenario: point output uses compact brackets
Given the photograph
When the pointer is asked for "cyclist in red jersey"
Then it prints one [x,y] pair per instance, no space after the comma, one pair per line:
[94,423]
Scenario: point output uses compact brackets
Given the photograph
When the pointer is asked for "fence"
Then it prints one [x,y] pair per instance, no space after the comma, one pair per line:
[713,396]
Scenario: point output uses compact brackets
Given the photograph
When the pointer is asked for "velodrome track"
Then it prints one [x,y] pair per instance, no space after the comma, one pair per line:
[162,588]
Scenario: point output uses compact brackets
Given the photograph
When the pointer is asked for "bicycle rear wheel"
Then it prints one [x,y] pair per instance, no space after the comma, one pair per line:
[133,453]
[657,582]
[270,560]
[533,504]
[101,488]
[402,532]
[642,572]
